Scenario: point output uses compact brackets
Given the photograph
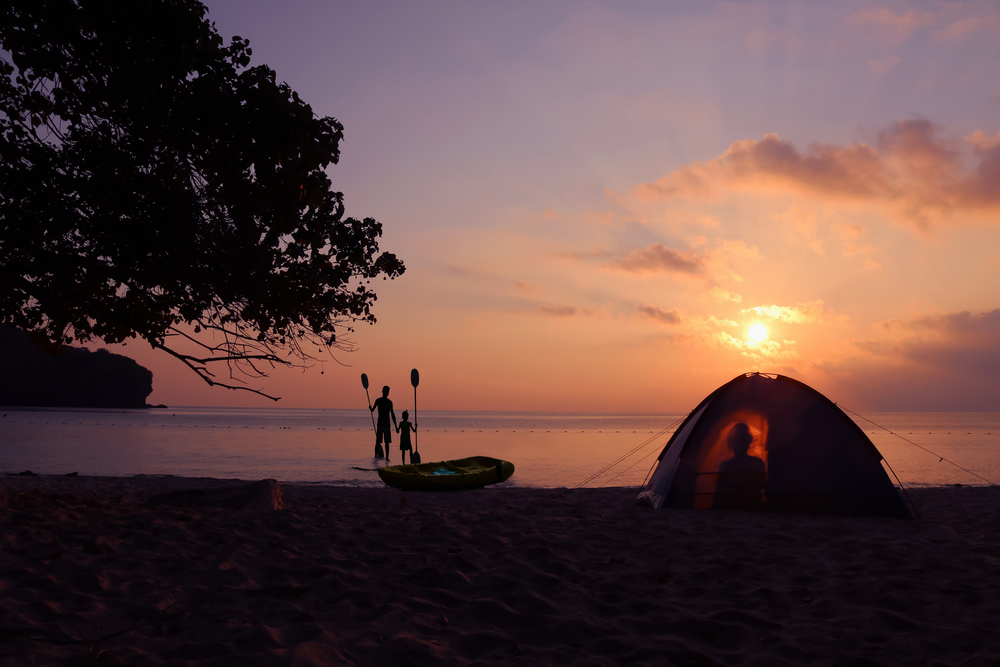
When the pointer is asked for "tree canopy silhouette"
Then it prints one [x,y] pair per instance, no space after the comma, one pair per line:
[153,184]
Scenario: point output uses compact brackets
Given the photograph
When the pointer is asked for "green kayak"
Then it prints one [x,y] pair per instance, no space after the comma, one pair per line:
[455,475]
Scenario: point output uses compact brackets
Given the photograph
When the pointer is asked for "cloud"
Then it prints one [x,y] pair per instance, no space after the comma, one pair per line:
[938,362]
[757,351]
[714,321]
[887,27]
[671,316]
[884,17]
[881,67]
[706,335]
[981,142]
[527,287]
[962,321]
[591,253]
[724,295]
[912,169]
[558,310]
[804,223]
[803,313]
[761,41]
[962,341]
[851,235]
[962,28]
[801,220]
[721,259]
[564,310]
[658,258]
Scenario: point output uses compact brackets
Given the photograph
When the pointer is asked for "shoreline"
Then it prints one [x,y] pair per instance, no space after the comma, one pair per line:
[377,483]
[359,575]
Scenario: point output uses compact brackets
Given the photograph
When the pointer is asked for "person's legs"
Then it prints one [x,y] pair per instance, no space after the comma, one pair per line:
[382,433]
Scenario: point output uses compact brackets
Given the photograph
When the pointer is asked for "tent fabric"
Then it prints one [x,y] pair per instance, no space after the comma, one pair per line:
[768,442]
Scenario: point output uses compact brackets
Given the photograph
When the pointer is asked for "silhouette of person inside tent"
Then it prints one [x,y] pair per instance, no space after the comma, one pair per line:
[742,478]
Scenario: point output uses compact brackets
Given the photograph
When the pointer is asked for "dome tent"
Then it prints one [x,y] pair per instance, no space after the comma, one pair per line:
[768,442]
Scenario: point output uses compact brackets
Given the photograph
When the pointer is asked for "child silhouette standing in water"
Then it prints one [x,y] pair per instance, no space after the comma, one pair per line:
[403,430]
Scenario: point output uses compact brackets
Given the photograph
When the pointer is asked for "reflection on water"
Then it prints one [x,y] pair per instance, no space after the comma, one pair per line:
[548,449]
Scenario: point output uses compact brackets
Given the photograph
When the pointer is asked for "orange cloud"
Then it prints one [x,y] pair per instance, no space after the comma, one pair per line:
[803,313]
[527,287]
[912,169]
[658,258]
[562,310]
[557,310]
[756,351]
[851,235]
[671,316]
[983,143]
[724,295]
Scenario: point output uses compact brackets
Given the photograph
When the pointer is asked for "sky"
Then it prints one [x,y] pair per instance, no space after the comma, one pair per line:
[596,201]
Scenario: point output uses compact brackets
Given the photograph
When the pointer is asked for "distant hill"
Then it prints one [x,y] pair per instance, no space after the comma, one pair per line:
[73,378]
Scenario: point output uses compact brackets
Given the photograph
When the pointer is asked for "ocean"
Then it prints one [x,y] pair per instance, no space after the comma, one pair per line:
[549,450]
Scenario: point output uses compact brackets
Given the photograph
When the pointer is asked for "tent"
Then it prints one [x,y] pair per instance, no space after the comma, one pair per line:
[768,442]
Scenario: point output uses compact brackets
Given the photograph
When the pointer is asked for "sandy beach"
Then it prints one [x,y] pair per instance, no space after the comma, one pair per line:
[90,573]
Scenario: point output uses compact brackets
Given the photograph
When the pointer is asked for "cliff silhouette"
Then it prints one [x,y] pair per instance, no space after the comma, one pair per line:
[71,378]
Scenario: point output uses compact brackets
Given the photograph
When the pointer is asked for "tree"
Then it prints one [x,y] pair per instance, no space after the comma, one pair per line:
[154,185]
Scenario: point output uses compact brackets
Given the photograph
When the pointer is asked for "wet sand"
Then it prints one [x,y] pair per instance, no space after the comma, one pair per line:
[91,574]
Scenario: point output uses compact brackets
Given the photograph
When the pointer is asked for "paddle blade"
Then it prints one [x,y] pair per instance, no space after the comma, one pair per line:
[415,458]
[364,380]
[414,378]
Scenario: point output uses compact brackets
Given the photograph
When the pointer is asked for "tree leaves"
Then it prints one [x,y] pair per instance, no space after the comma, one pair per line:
[151,179]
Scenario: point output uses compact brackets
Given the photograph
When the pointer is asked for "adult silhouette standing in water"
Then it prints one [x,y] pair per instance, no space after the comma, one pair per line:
[382,428]
[742,478]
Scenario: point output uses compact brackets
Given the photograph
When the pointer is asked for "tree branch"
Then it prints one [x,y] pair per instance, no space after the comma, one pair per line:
[207,375]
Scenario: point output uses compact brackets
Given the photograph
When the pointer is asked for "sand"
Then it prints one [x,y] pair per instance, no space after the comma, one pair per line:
[91,574]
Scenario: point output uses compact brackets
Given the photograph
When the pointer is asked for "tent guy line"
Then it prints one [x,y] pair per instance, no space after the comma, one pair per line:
[645,443]
[940,458]
[642,460]
[669,429]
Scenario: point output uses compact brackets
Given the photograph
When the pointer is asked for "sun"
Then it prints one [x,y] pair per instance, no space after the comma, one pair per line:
[757,332]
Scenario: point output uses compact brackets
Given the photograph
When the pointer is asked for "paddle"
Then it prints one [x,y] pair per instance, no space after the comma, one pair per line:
[414,380]
[378,447]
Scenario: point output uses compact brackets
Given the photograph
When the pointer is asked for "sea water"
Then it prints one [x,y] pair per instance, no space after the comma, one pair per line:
[554,449]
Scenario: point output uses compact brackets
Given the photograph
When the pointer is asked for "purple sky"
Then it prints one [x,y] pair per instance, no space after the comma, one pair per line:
[593,213]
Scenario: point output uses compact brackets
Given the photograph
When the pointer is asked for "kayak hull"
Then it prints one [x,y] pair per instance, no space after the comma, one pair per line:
[456,475]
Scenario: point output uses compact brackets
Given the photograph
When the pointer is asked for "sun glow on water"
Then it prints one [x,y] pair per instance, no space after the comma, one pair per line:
[757,332]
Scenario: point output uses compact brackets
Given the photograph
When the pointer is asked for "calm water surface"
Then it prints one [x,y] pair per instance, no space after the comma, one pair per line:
[328,446]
